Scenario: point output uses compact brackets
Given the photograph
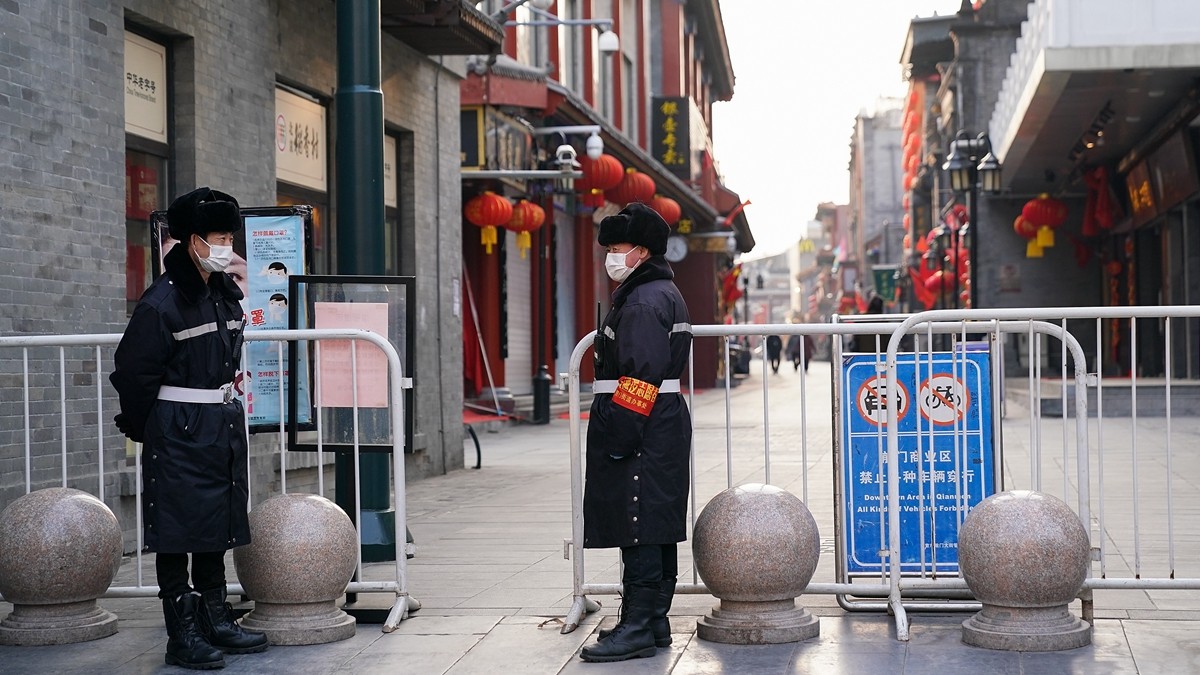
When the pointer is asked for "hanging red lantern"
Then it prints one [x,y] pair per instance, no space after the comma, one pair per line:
[593,198]
[488,210]
[667,208]
[526,217]
[1046,214]
[634,187]
[907,246]
[907,222]
[602,173]
[1024,228]
[906,200]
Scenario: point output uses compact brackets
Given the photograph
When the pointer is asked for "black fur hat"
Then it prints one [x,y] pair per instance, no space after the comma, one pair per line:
[201,211]
[636,224]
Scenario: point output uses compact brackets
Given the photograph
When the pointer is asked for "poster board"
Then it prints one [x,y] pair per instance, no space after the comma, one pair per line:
[385,305]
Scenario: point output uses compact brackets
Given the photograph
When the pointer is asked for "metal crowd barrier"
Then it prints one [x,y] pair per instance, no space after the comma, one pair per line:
[1130,550]
[103,425]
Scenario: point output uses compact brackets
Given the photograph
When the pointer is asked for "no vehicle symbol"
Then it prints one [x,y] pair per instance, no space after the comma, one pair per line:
[944,399]
[872,400]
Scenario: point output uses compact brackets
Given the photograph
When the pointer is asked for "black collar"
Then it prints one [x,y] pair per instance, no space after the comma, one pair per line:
[655,267]
[183,273]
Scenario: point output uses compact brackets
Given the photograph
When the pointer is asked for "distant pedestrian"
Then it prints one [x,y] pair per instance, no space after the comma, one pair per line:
[774,351]
[800,351]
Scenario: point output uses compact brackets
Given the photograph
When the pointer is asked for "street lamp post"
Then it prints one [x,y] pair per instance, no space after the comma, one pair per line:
[972,167]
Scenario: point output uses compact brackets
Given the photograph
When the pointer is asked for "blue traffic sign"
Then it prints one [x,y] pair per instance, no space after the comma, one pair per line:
[946,456]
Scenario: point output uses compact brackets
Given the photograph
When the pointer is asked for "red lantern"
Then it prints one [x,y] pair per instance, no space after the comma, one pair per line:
[634,187]
[488,210]
[1045,213]
[602,173]
[667,208]
[907,221]
[1024,228]
[526,217]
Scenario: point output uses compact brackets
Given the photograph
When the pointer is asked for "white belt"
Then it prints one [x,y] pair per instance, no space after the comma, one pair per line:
[185,395]
[610,386]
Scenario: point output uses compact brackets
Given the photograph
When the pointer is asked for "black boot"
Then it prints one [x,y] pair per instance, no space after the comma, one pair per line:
[186,645]
[660,626]
[222,631]
[632,638]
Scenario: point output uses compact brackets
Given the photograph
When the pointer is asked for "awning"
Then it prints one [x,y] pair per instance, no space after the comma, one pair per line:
[441,26]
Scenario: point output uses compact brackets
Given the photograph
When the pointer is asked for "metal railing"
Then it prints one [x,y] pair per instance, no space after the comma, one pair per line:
[1131,549]
[98,344]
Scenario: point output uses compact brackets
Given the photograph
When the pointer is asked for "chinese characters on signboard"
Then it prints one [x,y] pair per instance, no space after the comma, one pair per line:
[670,134]
[299,141]
[945,456]
[145,88]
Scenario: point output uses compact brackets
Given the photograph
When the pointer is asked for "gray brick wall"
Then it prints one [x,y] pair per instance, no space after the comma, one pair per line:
[62,152]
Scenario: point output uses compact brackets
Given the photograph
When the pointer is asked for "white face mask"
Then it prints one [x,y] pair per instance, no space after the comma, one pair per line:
[615,265]
[219,258]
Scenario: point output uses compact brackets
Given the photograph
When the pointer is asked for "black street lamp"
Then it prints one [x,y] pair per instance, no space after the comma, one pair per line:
[972,167]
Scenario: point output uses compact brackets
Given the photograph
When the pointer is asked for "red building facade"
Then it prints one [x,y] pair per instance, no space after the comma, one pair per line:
[561,80]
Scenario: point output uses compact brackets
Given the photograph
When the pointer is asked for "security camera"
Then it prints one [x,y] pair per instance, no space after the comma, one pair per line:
[595,146]
[565,155]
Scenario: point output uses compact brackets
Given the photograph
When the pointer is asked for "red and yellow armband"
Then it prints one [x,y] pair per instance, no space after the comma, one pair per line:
[635,395]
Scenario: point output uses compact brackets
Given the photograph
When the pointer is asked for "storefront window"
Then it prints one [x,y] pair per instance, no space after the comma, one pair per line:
[145,190]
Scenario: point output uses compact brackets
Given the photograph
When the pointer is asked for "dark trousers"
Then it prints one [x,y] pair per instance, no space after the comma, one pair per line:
[648,565]
[208,573]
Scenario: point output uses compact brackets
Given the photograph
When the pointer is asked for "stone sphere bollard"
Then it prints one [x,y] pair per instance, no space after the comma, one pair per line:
[756,547]
[1024,555]
[59,551]
[302,553]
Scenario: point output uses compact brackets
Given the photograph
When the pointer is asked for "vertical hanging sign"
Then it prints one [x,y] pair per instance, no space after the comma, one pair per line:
[670,134]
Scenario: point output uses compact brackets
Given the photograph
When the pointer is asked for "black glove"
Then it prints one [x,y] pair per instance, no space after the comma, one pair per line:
[125,426]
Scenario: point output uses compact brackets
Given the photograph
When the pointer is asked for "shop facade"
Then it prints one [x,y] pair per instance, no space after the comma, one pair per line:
[117,108]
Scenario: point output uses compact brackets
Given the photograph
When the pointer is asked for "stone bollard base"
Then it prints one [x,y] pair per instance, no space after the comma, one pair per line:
[300,624]
[60,624]
[1026,629]
[758,623]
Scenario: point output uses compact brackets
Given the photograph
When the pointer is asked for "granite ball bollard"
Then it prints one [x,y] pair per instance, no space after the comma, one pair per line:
[59,551]
[302,553]
[1024,555]
[756,547]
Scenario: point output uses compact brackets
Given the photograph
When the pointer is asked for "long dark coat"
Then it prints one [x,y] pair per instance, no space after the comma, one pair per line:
[637,461]
[185,333]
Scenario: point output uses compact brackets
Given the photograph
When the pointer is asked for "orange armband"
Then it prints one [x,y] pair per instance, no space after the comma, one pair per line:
[635,395]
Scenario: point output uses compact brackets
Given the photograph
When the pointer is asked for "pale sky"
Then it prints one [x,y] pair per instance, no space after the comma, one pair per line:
[804,69]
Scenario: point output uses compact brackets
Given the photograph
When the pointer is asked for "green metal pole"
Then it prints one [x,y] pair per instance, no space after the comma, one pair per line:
[358,127]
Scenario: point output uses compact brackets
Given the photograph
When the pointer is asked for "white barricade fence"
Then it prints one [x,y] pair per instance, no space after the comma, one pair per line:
[85,423]
[1122,475]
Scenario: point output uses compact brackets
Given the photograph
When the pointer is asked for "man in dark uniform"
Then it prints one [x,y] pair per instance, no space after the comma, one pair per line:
[174,371]
[639,432]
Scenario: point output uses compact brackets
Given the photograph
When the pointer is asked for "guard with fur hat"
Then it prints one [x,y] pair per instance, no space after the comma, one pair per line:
[175,366]
[639,432]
